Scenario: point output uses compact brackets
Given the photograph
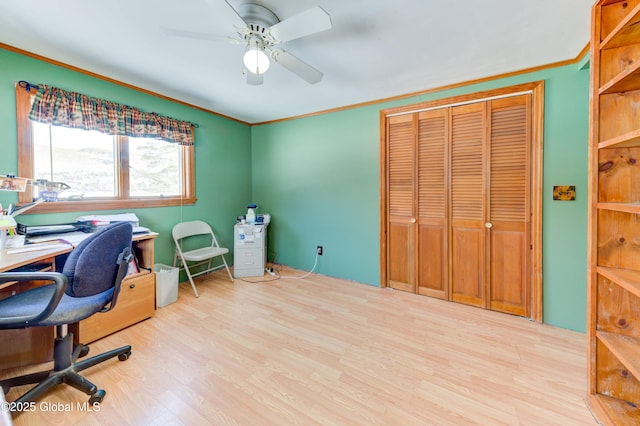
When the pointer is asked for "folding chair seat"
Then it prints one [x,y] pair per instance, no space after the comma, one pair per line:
[193,257]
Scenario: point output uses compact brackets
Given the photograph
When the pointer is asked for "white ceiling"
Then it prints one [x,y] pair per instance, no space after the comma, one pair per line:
[376,49]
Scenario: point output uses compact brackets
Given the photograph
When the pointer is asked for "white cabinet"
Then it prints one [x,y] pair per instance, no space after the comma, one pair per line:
[250,250]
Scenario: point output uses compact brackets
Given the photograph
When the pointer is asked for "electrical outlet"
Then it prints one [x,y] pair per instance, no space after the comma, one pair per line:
[319,250]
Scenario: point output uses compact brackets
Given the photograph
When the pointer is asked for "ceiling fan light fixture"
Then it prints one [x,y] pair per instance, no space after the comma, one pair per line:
[255,60]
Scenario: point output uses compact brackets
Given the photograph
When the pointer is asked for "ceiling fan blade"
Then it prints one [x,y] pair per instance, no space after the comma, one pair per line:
[297,66]
[310,21]
[239,21]
[254,79]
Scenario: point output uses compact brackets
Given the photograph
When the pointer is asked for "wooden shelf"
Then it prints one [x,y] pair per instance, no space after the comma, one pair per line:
[626,32]
[626,81]
[611,411]
[625,278]
[633,208]
[625,349]
[614,292]
[630,139]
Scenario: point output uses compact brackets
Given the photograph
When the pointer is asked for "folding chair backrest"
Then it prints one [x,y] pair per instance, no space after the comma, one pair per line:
[195,254]
[193,228]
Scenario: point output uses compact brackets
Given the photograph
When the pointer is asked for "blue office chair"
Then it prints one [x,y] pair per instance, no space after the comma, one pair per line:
[89,283]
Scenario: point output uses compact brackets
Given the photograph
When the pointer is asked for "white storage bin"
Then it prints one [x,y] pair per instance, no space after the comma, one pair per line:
[166,284]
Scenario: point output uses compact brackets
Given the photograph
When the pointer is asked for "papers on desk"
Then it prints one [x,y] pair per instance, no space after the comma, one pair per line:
[38,247]
[69,233]
[72,238]
[51,228]
[111,218]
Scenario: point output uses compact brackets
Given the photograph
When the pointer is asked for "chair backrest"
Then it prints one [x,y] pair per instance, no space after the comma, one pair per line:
[92,267]
[192,228]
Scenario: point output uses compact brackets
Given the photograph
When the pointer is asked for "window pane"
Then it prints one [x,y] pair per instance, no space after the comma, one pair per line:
[154,168]
[83,160]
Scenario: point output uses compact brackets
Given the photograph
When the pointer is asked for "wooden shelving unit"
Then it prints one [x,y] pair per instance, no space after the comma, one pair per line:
[614,215]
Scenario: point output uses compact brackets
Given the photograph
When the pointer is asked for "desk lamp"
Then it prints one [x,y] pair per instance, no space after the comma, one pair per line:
[47,191]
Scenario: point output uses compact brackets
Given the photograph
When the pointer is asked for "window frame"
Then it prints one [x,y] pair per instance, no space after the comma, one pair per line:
[26,165]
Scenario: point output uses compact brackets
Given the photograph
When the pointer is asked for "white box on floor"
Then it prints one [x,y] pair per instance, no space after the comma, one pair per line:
[166,284]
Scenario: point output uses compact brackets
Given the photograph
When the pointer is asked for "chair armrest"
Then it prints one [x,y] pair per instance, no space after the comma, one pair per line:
[60,283]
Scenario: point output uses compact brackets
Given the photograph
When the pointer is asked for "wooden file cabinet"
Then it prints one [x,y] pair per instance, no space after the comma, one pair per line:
[136,301]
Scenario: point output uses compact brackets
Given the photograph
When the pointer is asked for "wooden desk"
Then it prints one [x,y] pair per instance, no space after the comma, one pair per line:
[9,262]
[35,345]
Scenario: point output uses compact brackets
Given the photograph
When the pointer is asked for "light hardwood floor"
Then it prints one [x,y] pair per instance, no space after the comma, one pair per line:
[327,351]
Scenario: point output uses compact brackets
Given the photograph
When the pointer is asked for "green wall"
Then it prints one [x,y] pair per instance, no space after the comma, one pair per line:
[318,177]
[222,151]
[564,223]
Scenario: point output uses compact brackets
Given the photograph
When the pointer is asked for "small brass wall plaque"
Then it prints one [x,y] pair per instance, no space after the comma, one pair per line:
[564,193]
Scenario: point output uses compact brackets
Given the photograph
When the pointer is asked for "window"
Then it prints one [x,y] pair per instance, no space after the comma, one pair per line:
[103,171]
[86,161]
[154,168]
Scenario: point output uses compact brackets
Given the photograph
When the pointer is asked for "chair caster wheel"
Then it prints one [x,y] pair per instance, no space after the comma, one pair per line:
[97,397]
[125,356]
[84,351]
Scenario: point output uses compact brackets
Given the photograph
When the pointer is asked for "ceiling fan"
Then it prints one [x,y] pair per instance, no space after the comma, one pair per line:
[261,31]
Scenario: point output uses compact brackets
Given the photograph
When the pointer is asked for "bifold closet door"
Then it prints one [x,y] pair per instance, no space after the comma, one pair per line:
[458,203]
[509,220]
[401,182]
[490,205]
[432,203]
[467,248]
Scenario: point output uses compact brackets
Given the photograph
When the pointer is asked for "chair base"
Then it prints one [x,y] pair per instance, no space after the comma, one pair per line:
[66,369]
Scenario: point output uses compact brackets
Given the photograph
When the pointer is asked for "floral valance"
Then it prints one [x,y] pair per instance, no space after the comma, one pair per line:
[59,107]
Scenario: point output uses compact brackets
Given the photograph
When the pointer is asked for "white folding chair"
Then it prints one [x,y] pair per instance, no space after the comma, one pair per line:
[194,256]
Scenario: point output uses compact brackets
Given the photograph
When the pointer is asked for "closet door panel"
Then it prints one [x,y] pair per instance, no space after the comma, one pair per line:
[432,262]
[467,259]
[401,196]
[467,204]
[432,203]
[508,273]
[401,276]
[509,210]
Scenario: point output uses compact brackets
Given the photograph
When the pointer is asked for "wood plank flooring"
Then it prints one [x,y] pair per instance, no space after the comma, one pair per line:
[326,351]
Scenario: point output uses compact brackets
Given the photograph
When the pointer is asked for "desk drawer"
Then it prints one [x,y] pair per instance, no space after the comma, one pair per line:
[136,302]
